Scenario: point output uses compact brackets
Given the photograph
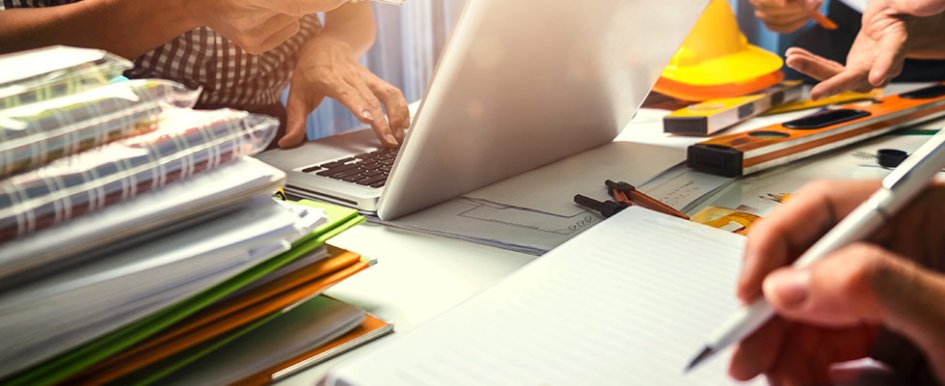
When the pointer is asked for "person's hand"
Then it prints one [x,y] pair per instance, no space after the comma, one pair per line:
[920,7]
[327,68]
[256,26]
[887,37]
[877,55]
[831,311]
[785,16]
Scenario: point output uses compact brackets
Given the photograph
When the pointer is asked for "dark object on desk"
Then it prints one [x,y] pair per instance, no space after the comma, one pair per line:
[825,118]
[741,154]
[925,93]
[607,208]
[625,196]
[891,158]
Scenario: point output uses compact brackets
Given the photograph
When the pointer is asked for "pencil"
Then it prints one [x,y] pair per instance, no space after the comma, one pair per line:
[823,21]
[656,205]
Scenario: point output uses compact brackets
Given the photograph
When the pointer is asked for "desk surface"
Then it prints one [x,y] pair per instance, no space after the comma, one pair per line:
[419,276]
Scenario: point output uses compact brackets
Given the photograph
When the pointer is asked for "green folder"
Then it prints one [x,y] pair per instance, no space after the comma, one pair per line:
[70,363]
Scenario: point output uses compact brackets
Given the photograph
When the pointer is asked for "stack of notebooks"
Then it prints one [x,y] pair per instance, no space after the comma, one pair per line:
[139,242]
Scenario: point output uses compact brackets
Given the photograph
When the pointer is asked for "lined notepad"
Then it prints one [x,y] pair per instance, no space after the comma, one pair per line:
[627,302]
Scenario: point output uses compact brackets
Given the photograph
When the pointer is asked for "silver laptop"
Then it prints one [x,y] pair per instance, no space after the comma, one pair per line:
[521,84]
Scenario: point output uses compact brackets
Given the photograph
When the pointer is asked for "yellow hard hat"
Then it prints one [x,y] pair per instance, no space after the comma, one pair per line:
[719,91]
[717,53]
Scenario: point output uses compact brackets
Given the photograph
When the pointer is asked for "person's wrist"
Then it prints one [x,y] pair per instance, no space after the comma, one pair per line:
[324,41]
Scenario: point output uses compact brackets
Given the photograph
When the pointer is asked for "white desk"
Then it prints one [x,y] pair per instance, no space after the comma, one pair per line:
[420,276]
[417,277]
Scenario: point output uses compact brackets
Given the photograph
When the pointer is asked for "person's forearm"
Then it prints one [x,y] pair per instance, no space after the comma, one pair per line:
[353,23]
[128,28]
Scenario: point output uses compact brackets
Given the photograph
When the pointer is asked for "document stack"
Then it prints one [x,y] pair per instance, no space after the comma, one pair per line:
[137,236]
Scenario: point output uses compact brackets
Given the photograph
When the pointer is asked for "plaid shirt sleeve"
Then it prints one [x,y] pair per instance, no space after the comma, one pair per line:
[203,58]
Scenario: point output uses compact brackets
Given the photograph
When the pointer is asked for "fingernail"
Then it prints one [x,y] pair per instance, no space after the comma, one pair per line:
[367,115]
[390,139]
[791,287]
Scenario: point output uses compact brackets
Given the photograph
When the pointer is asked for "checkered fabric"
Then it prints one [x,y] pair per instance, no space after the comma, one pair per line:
[203,58]
[31,136]
[114,173]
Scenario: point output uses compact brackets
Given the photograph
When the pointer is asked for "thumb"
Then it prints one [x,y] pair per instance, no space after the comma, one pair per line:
[864,283]
[298,108]
[847,288]
[890,56]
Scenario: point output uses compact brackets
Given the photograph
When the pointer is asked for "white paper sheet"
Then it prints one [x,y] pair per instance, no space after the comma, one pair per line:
[683,188]
[551,188]
[647,128]
[628,302]
[535,232]
[502,226]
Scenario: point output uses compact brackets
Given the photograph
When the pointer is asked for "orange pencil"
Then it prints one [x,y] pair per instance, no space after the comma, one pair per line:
[823,21]
[624,192]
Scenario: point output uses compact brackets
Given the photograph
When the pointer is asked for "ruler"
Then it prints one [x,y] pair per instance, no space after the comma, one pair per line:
[741,154]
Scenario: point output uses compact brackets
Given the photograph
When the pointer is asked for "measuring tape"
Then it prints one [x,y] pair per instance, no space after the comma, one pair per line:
[752,151]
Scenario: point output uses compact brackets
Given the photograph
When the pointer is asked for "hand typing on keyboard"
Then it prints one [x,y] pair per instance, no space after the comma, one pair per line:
[328,67]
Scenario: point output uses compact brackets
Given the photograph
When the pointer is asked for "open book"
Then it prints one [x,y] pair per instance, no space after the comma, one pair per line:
[627,302]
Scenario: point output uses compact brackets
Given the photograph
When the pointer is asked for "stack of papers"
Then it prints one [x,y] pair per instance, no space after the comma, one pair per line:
[133,222]
[136,236]
[51,315]
[257,287]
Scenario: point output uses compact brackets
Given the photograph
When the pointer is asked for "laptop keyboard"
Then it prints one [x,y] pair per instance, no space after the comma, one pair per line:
[368,169]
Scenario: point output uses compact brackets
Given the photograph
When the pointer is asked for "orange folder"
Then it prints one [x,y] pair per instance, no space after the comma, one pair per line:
[371,328]
[225,317]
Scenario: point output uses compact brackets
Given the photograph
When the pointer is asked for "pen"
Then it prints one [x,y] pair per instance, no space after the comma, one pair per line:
[897,190]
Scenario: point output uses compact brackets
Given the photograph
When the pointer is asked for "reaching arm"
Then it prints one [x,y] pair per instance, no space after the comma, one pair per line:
[889,35]
[131,28]
[353,24]
[328,68]
[126,28]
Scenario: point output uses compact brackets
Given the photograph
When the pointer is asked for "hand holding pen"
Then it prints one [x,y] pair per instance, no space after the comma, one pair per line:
[832,311]
[879,266]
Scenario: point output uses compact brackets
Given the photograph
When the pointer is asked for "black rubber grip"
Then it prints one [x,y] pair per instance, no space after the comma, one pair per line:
[715,159]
